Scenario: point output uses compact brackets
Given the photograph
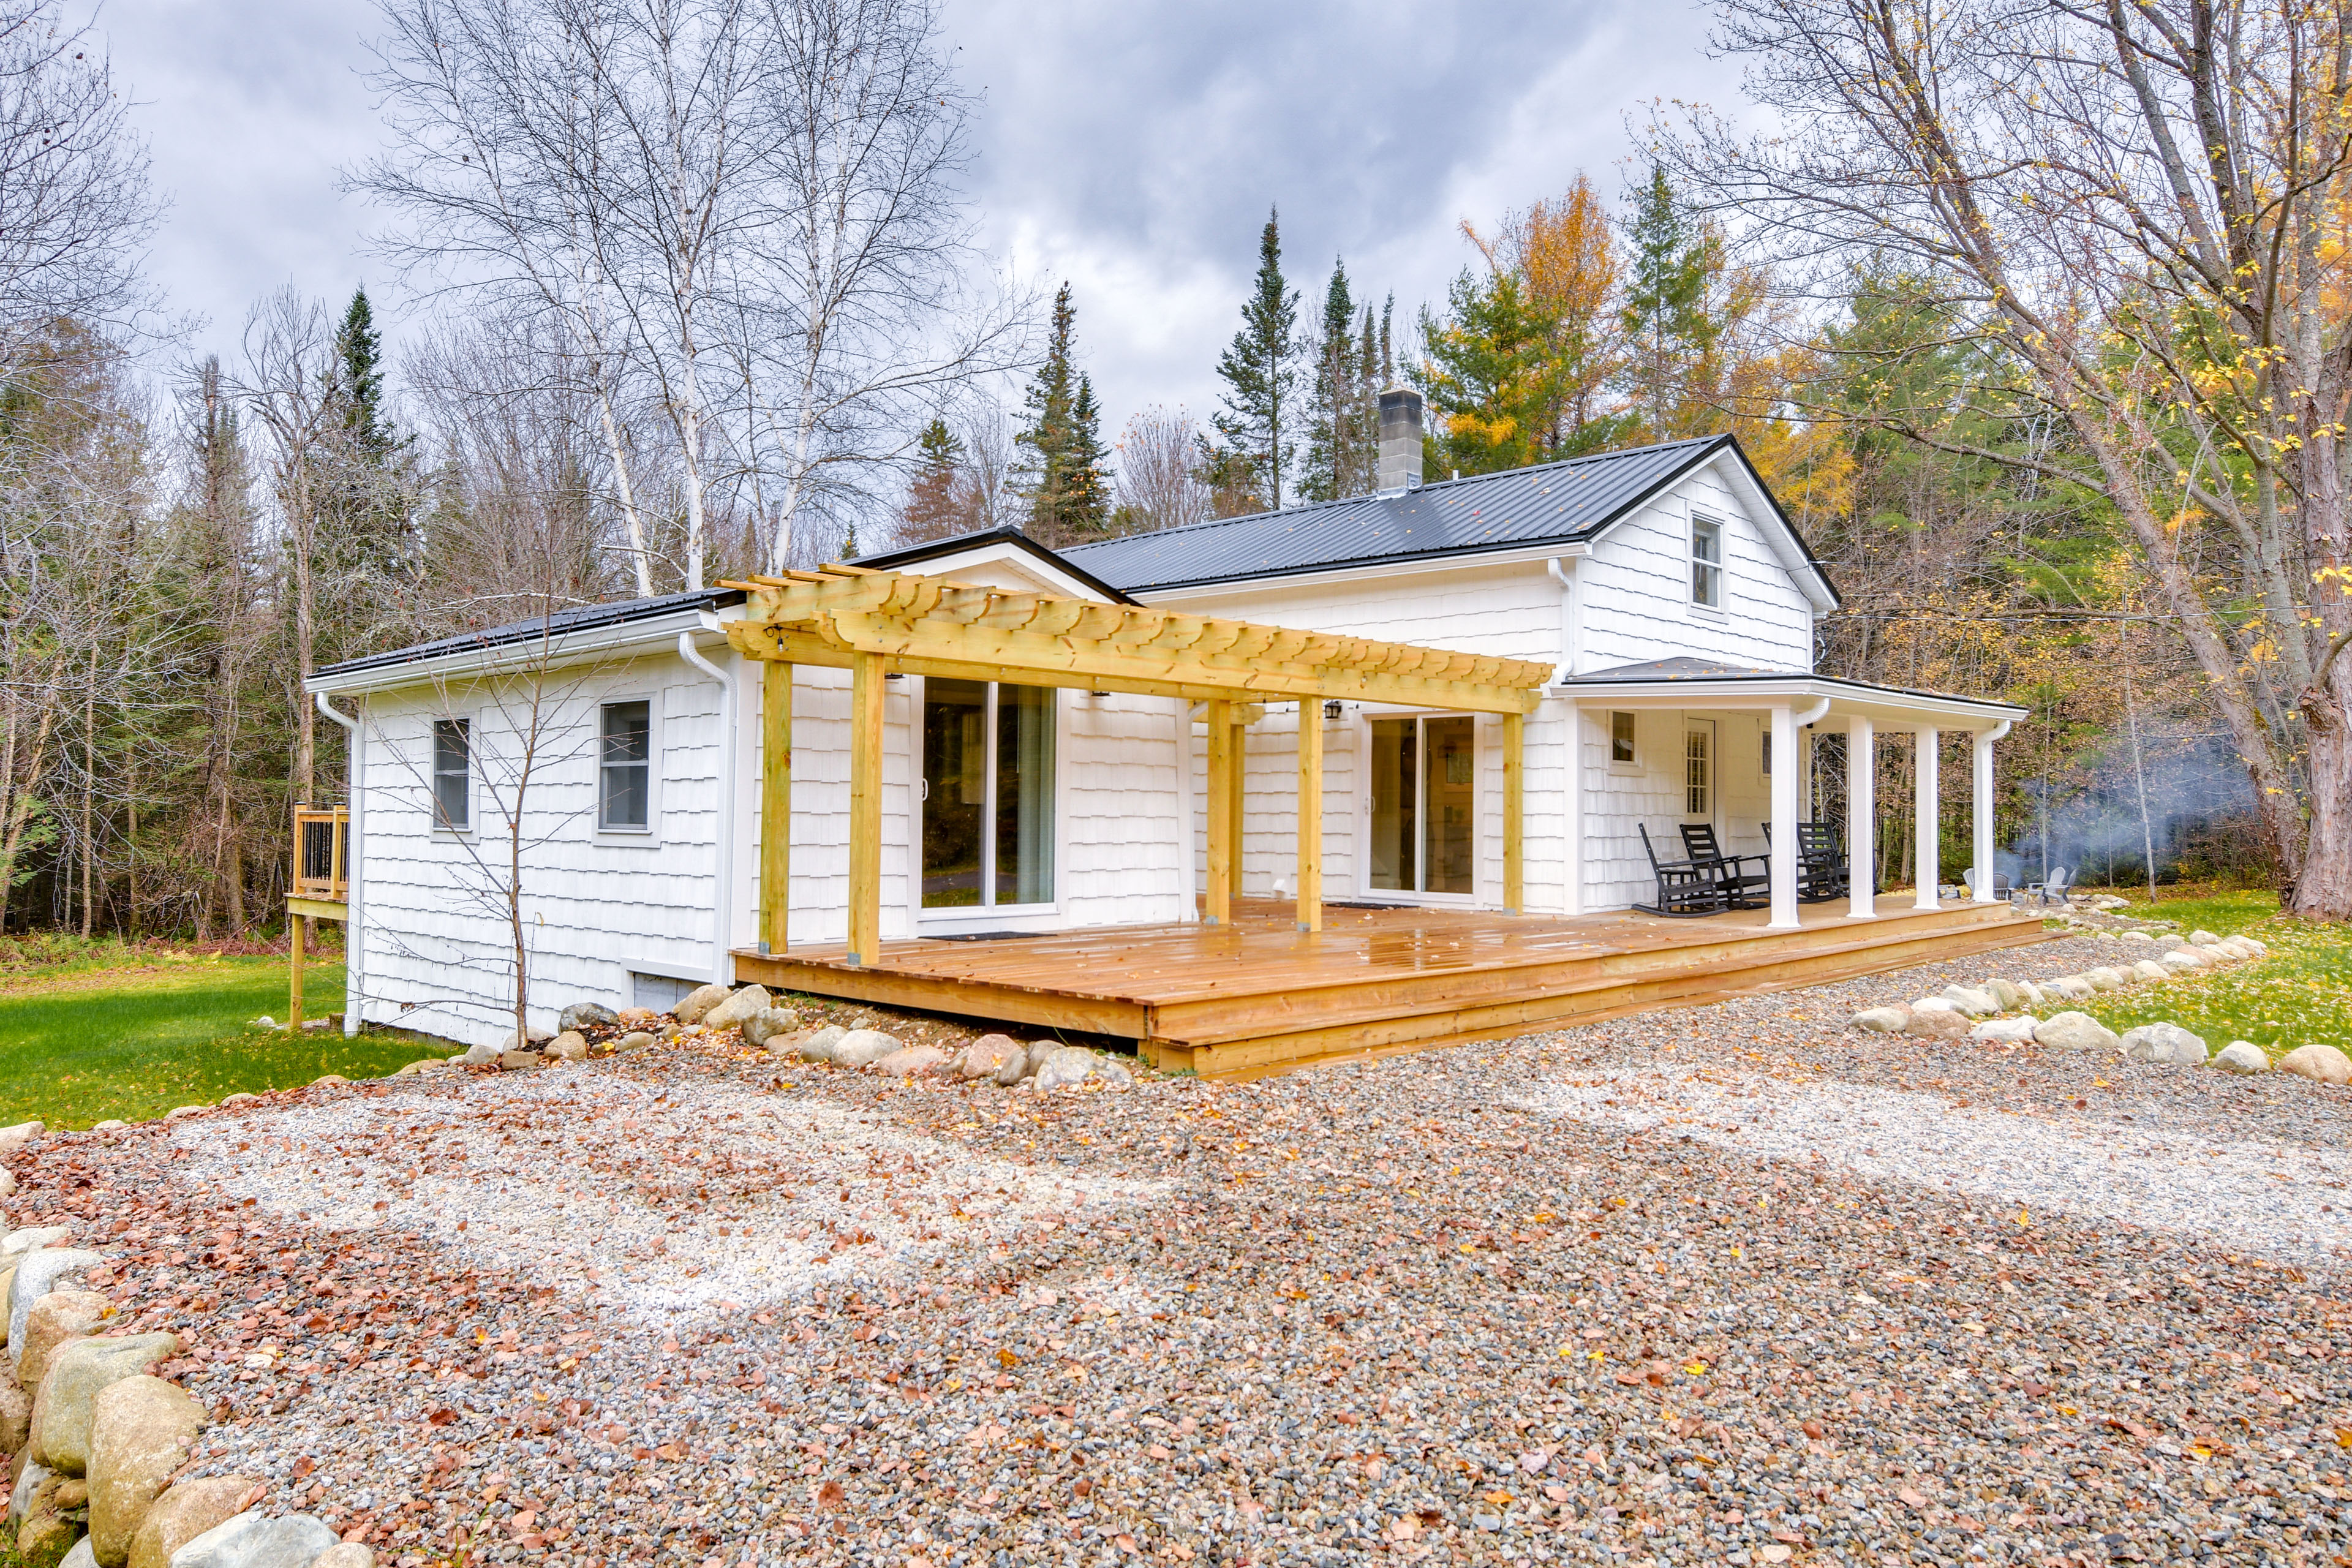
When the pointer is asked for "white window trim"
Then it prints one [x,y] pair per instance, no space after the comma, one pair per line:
[650,836]
[1718,613]
[439,829]
[1008,917]
[1631,770]
[1714,732]
[1398,896]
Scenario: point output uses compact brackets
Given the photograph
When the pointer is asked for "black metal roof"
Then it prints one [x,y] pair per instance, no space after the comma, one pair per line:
[915,554]
[585,617]
[1554,503]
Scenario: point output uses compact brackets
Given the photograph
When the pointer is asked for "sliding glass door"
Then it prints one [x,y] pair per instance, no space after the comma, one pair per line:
[1423,833]
[987,794]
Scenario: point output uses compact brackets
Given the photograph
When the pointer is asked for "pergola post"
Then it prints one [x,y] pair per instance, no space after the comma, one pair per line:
[1927,862]
[1981,844]
[1785,768]
[1310,815]
[1515,811]
[1573,903]
[775,803]
[864,809]
[1219,908]
[1860,818]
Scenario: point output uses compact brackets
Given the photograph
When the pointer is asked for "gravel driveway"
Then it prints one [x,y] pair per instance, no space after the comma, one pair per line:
[1733,1284]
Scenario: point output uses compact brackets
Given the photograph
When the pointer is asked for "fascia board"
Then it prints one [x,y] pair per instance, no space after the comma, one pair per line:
[1365,572]
[1847,698]
[630,638]
[1048,577]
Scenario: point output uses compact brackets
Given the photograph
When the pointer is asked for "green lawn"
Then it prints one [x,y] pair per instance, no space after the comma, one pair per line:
[2298,994]
[137,1047]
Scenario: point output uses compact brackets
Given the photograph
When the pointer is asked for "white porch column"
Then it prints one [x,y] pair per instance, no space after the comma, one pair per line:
[1785,768]
[1860,818]
[1572,873]
[1983,801]
[1927,860]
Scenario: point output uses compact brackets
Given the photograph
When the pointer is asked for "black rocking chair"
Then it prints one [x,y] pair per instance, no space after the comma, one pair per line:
[1821,871]
[1745,889]
[1686,888]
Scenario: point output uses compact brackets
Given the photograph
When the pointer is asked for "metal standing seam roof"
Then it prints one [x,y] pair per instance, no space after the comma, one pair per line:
[1554,503]
[585,617]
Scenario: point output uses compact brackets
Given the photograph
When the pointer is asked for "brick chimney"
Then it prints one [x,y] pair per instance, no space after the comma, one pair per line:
[1400,439]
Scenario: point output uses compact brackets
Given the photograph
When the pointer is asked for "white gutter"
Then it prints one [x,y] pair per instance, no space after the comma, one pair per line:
[2001,731]
[656,634]
[1566,577]
[722,950]
[354,970]
[1812,715]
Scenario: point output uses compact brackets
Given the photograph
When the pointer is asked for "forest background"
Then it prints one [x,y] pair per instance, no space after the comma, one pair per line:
[696,300]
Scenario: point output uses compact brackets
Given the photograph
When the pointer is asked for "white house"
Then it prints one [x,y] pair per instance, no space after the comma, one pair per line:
[594,782]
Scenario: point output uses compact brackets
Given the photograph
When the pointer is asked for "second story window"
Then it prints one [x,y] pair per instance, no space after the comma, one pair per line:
[453,775]
[1707,562]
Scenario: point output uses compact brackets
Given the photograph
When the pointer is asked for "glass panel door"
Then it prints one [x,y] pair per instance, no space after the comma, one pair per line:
[1396,795]
[1450,827]
[955,790]
[1024,795]
[988,795]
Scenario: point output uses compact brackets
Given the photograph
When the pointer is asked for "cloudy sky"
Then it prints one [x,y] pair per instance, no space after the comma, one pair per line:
[1130,146]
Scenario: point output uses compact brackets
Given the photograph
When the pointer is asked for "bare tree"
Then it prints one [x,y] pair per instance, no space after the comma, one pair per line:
[2138,209]
[74,200]
[1159,483]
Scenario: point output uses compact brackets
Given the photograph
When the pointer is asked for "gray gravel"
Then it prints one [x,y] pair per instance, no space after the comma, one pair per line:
[1439,1307]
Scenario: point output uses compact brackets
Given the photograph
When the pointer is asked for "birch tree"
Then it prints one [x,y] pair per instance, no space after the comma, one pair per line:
[2141,206]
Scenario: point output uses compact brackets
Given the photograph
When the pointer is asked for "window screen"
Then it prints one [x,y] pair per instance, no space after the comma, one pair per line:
[625,795]
[452,774]
[1707,562]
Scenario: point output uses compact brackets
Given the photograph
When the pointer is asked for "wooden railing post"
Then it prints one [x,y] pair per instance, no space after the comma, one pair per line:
[866,809]
[1310,815]
[294,978]
[775,803]
[1222,812]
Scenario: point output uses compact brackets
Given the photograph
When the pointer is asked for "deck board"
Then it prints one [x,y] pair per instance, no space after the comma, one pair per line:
[1257,994]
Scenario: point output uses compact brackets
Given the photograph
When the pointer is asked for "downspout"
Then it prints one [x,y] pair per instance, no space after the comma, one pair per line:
[722,952]
[1567,581]
[354,970]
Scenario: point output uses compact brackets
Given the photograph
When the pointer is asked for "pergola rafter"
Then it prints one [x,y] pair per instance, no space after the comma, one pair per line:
[879,623]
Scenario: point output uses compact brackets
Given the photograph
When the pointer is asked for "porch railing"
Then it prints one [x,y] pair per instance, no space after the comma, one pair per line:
[322,843]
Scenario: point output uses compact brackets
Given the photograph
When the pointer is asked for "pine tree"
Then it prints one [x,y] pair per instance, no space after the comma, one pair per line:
[932,511]
[1261,375]
[1061,472]
[1671,335]
[371,526]
[1333,425]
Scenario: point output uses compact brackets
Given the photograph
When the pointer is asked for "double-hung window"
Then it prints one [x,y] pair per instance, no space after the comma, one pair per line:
[625,788]
[1707,562]
[453,775]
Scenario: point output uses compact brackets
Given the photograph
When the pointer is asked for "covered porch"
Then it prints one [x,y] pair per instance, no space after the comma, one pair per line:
[1256,996]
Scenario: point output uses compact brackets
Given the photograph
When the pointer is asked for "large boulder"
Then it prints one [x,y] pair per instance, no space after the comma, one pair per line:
[482,1056]
[2181,958]
[520,1061]
[1065,1066]
[43,1534]
[571,1046]
[2321,1063]
[18,1242]
[817,1046]
[15,1415]
[186,1512]
[2005,992]
[697,1003]
[17,1137]
[2075,1032]
[2104,978]
[38,1272]
[345,1554]
[1883,1020]
[83,1555]
[29,1478]
[2016,1031]
[585,1015]
[2164,1043]
[1974,1002]
[986,1056]
[768,1023]
[2149,969]
[2242,1056]
[2259,948]
[533,1037]
[142,1431]
[908,1060]
[1937,1024]
[56,1319]
[66,1405]
[2202,938]
[251,1540]
[864,1047]
[738,1006]
[2070,988]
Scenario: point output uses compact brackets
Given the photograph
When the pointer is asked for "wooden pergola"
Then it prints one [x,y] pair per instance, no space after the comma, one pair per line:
[875,623]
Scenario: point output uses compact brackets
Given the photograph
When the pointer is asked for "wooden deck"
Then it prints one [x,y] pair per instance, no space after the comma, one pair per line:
[1258,996]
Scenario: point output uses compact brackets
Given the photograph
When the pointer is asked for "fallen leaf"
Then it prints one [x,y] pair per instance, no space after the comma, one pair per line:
[1913,1496]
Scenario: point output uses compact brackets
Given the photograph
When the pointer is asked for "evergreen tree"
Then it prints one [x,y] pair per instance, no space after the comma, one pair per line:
[1062,474]
[932,510]
[1670,329]
[1261,375]
[359,351]
[1333,427]
[369,524]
